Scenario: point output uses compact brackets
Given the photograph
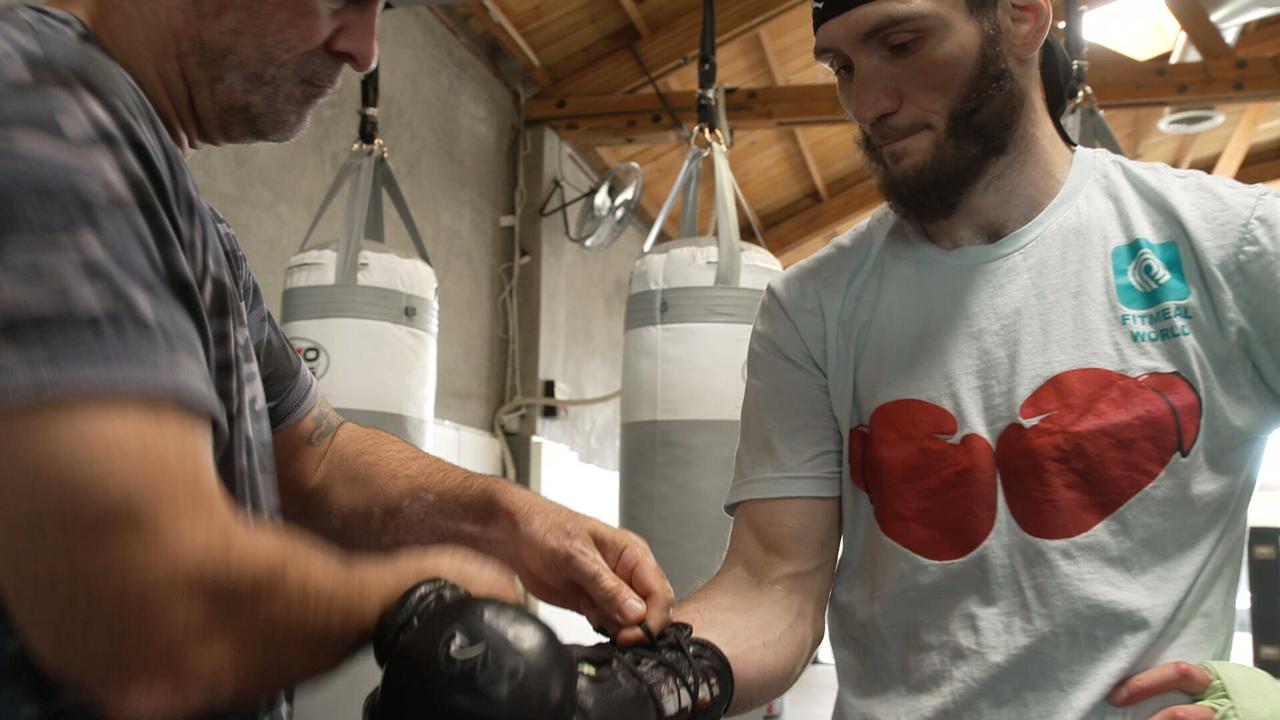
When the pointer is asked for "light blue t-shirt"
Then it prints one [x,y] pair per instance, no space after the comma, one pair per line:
[1044,448]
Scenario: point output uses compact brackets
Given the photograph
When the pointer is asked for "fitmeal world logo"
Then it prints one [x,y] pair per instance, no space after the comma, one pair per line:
[1151,284]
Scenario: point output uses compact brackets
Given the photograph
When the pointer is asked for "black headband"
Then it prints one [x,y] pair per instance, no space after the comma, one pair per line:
[824,10]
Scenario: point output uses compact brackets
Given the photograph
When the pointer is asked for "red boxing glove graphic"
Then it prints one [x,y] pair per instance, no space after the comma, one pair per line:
[1089,441]
[933,496]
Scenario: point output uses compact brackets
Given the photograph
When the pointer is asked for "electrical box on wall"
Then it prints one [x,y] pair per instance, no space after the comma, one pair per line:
[552,411]
[1264,587]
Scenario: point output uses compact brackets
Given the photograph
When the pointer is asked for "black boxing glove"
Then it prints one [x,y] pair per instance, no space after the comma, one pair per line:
[675,677]
[448,656]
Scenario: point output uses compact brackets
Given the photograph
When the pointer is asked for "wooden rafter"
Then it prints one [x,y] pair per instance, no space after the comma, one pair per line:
[1237,149]
[497,27]
[1143,123]
[667,48]
[824,221]
[1194,19]
[633,12]
[771,59]
[607,119]
[1186,151]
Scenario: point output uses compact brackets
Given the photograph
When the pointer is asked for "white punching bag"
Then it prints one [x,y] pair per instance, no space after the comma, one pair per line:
[365,319]
[371,345]
[689,316]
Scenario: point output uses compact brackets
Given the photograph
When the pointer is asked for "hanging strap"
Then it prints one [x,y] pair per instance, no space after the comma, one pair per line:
[729,270]
[695,157]
[755,229]
[369,173]
[348,168]
[358,201]
[392,186]
[689,205]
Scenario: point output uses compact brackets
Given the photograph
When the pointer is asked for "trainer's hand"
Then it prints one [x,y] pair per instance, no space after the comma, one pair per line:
[608,575]
[1180,677]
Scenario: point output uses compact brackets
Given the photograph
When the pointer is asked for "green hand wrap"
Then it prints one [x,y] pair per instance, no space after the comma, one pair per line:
[1240,692]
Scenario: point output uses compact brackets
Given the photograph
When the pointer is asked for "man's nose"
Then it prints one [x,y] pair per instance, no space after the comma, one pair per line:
[870,100]
[355,38]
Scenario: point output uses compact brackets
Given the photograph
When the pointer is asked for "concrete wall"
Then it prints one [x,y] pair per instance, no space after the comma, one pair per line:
[449,125]
[574,333]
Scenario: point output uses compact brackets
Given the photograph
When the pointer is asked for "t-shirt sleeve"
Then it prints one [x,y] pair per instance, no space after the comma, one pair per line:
[1259,268]
[290,388]
[91,300]
[789,444]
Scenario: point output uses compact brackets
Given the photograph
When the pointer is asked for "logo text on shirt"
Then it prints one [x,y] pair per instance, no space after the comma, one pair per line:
[1150,282]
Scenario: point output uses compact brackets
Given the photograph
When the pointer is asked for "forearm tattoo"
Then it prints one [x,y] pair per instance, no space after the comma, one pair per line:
[325,424]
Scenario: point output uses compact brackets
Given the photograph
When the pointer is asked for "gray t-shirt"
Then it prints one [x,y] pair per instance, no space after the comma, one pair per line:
[118,279]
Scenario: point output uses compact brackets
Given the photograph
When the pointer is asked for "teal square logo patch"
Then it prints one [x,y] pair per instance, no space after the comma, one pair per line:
[1149,274]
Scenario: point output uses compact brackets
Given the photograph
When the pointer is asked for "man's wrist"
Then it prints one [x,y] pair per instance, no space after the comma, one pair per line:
[504,504]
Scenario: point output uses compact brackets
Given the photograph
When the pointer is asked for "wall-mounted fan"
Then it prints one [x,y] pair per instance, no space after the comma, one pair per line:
[611,203]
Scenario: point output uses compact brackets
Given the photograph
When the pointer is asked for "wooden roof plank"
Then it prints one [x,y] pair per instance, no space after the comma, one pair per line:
[1238,146]
[825,220]
[601,118]
[771,60]
[507,35]
[633,12]
[667,48]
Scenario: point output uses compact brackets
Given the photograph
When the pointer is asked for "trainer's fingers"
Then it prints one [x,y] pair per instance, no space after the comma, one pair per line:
[1186,712]
[633,562]
[610,594]
[1180,677]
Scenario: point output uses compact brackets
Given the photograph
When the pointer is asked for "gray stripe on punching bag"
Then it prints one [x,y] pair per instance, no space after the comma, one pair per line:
[675,477]
[361,302]
[673,306]
[412,430]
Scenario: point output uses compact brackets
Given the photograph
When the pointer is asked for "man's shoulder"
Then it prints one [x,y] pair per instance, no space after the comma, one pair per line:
[39,46]
[840,262]
[50,62]
[1182,190]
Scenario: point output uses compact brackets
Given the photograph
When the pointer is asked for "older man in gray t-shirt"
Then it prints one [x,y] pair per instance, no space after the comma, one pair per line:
[178,505]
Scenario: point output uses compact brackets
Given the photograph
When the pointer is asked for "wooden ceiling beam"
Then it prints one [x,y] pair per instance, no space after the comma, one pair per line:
[627,119]
[1237,149]
[826,220]
[1215,81]
[631,119]
[775,74]
[667,48]
[497,27]
[1186,151]
[633,12]
[1194,19]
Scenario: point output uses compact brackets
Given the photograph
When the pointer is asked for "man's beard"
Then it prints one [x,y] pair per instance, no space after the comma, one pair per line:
[980,130]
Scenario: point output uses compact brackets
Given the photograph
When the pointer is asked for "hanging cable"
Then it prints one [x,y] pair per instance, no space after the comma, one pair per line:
[676,122]
[707,68]
[369,107]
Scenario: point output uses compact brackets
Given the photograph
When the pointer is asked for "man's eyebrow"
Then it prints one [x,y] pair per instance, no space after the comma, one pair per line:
[870,34]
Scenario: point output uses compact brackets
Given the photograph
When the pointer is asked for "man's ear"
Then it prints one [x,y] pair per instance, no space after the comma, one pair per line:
[1027,24]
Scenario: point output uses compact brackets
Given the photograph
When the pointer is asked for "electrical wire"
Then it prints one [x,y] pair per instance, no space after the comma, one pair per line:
[522,403]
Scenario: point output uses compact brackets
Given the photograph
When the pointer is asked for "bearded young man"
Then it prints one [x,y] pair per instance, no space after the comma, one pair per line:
[1030,395]
[155,424]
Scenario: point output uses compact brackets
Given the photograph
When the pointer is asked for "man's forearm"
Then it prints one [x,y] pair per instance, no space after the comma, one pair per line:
[374,491]
[265,610]
[769,632]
